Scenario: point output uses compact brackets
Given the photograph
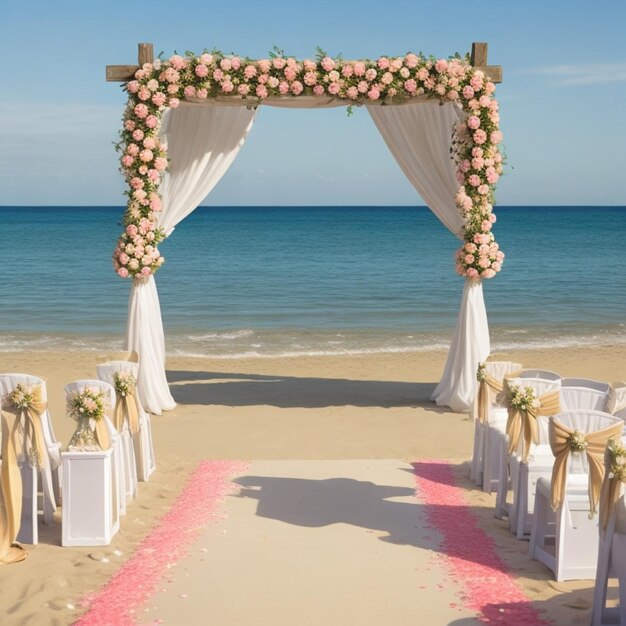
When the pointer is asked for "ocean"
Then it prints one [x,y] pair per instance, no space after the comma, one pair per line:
[268,281]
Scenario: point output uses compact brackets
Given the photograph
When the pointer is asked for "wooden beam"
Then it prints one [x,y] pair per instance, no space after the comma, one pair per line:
[478,59]
[145,53]
[120,73]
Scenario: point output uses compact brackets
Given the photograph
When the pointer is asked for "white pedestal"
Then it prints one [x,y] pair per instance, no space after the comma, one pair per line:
[90,509]
[144,451]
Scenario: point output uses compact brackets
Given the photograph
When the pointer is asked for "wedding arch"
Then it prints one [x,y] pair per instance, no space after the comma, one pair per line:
[187,118]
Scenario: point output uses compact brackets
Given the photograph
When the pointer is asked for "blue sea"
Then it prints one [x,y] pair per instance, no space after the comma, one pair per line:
[267,281]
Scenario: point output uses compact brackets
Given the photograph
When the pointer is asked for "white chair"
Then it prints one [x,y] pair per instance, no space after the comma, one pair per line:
[584,393]
[514,473]
[611,561]
[143,449]
[47,478]
[566,541]
[118,479]
[106,372]
[484,468]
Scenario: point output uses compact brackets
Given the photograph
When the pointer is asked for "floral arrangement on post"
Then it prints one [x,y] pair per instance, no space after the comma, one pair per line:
[87,407]
[162,84]
[523,399]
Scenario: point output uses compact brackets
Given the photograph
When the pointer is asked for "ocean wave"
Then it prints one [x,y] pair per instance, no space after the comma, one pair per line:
[238,334]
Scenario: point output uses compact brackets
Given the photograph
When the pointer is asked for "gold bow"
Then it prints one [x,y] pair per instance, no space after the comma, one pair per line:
[594,447]
[522,425]
[488,388]
[21,428]
[126,409]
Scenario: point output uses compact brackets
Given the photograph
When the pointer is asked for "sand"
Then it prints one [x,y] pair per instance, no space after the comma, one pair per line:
[327,408]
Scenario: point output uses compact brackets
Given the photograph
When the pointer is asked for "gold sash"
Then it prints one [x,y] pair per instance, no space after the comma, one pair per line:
[522,425]
[488,388]
[596,446]
[20,428]
[102,434]
[126,410]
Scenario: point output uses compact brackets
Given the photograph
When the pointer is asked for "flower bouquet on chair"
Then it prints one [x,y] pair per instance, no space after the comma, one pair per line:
[88,408]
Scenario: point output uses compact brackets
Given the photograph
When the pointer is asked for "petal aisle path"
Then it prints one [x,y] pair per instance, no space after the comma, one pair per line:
[470,554]
[310,543]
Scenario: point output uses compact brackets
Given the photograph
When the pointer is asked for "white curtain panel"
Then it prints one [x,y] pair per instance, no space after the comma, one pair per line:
[418,137]
[203,141]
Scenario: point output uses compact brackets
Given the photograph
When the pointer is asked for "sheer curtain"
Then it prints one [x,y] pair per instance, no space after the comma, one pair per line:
[203,141]
[418,137]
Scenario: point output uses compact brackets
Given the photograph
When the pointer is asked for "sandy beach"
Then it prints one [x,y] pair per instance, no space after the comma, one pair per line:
[280,416]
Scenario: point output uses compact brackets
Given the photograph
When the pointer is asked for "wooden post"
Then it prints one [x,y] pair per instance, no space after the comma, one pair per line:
[145,53]
[478,59]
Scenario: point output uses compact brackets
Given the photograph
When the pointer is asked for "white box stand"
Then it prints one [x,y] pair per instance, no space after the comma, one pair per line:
[90,499]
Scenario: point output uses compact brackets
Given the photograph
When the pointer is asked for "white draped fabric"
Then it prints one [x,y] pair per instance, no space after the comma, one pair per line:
[203,141]
[419,139]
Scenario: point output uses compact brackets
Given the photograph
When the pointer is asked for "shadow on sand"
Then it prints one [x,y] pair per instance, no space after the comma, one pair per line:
[236,389]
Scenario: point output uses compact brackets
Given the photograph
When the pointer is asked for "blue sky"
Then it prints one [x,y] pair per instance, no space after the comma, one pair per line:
[562,99]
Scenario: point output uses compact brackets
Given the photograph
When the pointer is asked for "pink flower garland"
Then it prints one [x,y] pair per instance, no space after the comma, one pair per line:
[162,84]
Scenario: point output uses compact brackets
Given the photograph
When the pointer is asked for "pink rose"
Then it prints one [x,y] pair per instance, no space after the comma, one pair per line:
[138,134]
[139,194]
[488,273]
[422,74]
[474,180]
[468,92]
[146,155]
[496,136]
[472,272]
[370,74]
[266,78]
[478,163]
[136,183]
[127,160]
[334,88]
[363,86]
[174,103]
[410,85]
[387,78]
[144,94]
[146,271]
[235,63]
[272,81]
[485,225]
[152,121]
[483,190]
[189,91]
[318,90]
[383,63]
[492,218]
[441,65]
[411,60]
[131,230]
[279,63]
[373,93]
[133,86]
[283,87]
[496,267]
[129,125]
[227,86]
[328,64]
[249,71]
[480,136]
[122,272]
[243,89]
[154,175]
[177,62]
[132,149]
[296,88]
[218,75]
[173,89]
[264,65]
[440,89]
[290,73]
[347,70]
[476,81]
[359,68]
[469,259]
[206,59]
[202,71]
[150,143]
[465,165]
[352,93]
[123,258]
[202,93]
[141,110]
[155,204]
[484,101]
[160,164]
[470,247]
[226,65]
[310,78]
[261,91]
[133,264]
[309,66]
